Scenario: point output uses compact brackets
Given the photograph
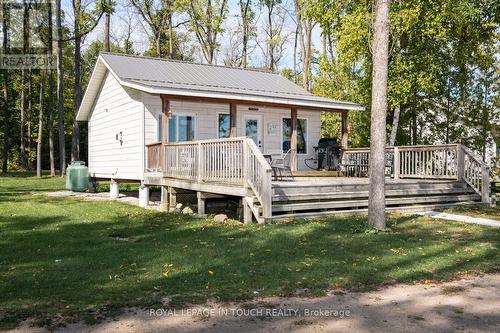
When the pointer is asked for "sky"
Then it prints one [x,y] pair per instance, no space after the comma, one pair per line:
[124,13]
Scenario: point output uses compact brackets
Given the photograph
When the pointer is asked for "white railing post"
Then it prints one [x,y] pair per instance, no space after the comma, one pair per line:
[199,163]
[396,167]
[460,162]
[245,163]
[485,186]
[267,203]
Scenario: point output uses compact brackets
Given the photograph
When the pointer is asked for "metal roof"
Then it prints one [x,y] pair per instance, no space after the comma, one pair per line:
[162,76]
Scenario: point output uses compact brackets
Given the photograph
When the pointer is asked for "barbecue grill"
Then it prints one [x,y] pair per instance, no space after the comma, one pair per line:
[328,153]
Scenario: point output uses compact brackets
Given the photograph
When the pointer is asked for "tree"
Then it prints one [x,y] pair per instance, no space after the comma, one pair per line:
[158,15]
[60,90]
[376,200]
[85,22]
[40,127]
[5,88]
[305,26]
[206,22]
[50,105]
[247,18]
[22,122]
[273,30]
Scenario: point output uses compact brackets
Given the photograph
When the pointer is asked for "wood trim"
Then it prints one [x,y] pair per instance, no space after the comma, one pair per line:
[244,102]
[344,130]
[293,139]
[232,120]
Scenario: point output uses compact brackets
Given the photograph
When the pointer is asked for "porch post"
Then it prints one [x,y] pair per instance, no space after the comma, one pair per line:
[232,120]
[293,139]
[344,134]
[165,108]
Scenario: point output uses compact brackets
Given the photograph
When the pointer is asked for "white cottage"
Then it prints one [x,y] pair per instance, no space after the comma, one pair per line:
[123,107]
[212,130]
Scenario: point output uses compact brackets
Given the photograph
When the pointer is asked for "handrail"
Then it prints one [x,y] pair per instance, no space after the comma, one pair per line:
[444,161]
[475,173]
[232,161]
[258,177]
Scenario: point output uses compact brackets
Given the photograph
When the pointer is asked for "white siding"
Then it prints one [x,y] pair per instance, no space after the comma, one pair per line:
[117,109]
[207,122]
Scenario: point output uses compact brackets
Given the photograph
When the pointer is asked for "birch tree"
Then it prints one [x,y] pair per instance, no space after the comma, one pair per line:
[206,21]
[376,199]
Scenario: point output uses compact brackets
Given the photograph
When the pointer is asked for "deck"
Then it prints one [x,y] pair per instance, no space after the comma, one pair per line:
[420,177]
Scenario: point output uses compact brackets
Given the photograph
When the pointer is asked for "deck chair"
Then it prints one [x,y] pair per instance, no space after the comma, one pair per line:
[281,166]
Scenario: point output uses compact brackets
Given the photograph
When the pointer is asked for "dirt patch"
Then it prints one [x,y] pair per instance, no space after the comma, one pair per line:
[470,304]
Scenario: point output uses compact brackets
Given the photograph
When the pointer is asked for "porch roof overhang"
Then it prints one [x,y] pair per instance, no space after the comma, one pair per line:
[276,91]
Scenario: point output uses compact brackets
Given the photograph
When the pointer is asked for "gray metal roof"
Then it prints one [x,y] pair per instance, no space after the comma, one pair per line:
[154,75]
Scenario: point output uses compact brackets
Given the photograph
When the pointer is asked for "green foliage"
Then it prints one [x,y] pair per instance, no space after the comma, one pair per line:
[441,71]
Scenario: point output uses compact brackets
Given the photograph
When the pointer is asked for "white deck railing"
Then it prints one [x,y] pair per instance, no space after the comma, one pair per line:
[452,161]
[231,161]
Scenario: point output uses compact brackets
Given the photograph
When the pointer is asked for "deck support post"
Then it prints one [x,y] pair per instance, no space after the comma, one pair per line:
[247,211]
[114,189]
[397,163]
[172,197]
[232,120]
[201,203]
[164,204]
[143,196]
[485,185]
[344,130]
[293,139]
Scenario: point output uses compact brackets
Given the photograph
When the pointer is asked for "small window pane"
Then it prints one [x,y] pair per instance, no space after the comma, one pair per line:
[301,136]
[286,134]
[186,128]
[301,131]
[224,125]
[172,129]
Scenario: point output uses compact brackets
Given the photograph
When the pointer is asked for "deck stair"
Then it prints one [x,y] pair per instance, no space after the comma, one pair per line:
[296,200]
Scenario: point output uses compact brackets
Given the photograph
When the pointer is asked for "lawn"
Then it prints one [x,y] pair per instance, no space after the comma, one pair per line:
[488,212]
[75,259]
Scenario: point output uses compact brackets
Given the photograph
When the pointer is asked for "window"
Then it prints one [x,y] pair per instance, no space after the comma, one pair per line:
[224,124]
[180,128]
[301,135]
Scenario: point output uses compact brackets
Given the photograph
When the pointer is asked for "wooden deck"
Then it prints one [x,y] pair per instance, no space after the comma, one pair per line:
[421,177]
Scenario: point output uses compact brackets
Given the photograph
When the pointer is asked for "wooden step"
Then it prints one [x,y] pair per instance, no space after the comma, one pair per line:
[364,194]
[308,188]
[407,209]
[355,204]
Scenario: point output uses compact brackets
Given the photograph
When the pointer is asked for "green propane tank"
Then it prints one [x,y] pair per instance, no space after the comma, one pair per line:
[77,177]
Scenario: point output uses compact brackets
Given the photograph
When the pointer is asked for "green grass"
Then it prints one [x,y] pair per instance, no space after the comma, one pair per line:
[488,212]
[75,259]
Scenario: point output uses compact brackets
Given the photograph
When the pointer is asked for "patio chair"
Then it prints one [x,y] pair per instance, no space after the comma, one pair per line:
[281,166]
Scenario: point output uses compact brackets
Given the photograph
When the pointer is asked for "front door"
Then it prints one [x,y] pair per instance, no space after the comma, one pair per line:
[253,129]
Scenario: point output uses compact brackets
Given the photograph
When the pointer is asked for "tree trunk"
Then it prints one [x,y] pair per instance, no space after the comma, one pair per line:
[75,138]
[244,7]
[170,32]
[106,32]
[22,123]
[376,200]
[30,116]
[60,93]
[296,40]
[395,125]
[40,128]
[51,94]
[5,87]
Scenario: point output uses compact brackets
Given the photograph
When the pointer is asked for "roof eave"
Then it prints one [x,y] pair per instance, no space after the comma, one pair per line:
[334,106]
